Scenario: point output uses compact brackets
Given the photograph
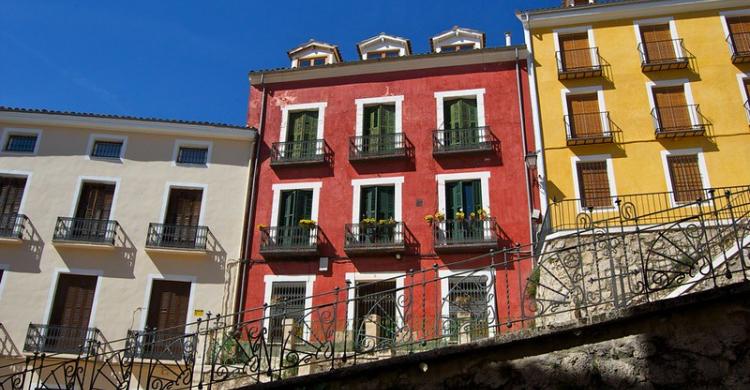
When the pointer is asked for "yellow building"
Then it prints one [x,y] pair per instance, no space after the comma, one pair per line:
[640,96]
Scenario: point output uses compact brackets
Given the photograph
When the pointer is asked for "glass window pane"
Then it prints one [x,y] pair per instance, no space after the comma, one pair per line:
[192,156]
[106,149]
[21,143]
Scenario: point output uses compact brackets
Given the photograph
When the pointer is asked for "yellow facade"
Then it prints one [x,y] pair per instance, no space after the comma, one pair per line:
[636,155]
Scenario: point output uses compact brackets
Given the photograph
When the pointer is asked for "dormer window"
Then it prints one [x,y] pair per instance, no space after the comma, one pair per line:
[457,39]
[313,61]
[383,54]
[383,46]
[314,53]
[464,47]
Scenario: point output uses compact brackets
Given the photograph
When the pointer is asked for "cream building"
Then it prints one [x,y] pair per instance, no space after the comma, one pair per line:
[110,224]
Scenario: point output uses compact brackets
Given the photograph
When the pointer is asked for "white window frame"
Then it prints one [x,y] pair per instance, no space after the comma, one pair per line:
[610,176]
[354,277]
[446,274]
[683,152]
[483,176]
[599,90]
[741,77]
[364,102]
[277,188]
[5,268]
[269,280]
[19,174]
[725,25]
[93,138]
[8,131]
[320,106]
[685,83]
[573,30]
[672,30]
[75,271]
[191,144]
[96,179]
[397,183]
[188,186]
[189,316]
[477,94]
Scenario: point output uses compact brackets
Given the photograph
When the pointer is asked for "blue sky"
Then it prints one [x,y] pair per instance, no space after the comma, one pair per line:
[189,59]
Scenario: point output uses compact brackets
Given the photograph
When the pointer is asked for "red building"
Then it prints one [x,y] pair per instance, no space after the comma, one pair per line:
[376,175]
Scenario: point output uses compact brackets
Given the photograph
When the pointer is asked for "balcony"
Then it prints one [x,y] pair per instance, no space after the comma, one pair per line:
[177,237]
[384,146]
[12,226]
[458,141]
[663,55]
[579,63]
[294,241]
[85,231]
[374,238]
[678,121]
[588,128]
[298,153]
[62,339]
[739,45]
[163,345]
[465,235]
[747,109]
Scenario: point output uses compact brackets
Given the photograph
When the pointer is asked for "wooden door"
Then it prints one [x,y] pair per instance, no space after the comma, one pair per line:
[71,312]
[576,53]
[658,43]
[739,28]
[95,201]
[184,207]
[685,174]
[167,315]
[593,183]
[672,110]
[585,118]
[11,194]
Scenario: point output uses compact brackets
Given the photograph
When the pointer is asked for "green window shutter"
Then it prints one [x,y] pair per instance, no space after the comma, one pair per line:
[303,205]
[371,121]
[310,131]
[468,113]
[454,199]
[368,203]
[296,127]
[388,119]
[453,111]
[286,217]
[386,202]
[477,191]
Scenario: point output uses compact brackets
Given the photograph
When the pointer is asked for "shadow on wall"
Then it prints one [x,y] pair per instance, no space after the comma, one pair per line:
[208,266]
[26,255]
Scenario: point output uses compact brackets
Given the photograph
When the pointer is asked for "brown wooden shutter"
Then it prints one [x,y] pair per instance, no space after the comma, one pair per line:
[74,298]
[686,178]
[168,305]
[672,109]
[184,207]
[95,201]
[11,194]
[657,40]
[594,184]
[585,119]
[739,27]
[575,51]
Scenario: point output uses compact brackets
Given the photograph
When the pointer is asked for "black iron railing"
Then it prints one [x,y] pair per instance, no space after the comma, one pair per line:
[663,55]
[289,240]
[298,152]
[377,146]
[171,344]
[588,128]
[377,236]
[12,225]
[678,121]
[739,45]
[474,139]
[465,233]
[61,339]
[93,231]
[177,236]
[747,109]
[579,63]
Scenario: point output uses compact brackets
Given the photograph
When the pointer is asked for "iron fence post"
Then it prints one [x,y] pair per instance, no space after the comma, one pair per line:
[740,249]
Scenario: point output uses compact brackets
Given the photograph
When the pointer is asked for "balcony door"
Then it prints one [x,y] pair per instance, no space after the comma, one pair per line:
[463,197]
[375,314]
[585,117]
[379,128]
[302,132]
[468,309]
[296,205]
[183,216]
[593,183]
[672,109]
[658,43]
[287,312]
[460,117]
[377,214]
[576,53]
[739,28]
[167,315]
[71,312]
[92,213]
[11,194]
[687,183]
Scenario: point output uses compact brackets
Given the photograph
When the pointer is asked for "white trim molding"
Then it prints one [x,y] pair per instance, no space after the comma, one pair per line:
[483,176]
[8,131]
[5,268]
[465,93]
[192,144]
[73,271]
[93,138]
[362,103]
[19,174]
[95,179]
[269,280]
[277,188]
[354,277]
[320,106]
[189,316]
[683,152]
[574,160]
[685,83]
[598,89]
[446,274]
[725,26]
[741,77]
[397,183]
[168,186]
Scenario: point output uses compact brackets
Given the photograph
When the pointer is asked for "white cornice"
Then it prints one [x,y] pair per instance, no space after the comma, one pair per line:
[124,125]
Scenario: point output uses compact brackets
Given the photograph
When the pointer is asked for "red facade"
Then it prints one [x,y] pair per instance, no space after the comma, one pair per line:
[508,202]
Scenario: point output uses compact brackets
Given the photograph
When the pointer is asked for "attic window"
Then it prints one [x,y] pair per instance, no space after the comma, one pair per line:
[384,54]
[312,61]
[461,47]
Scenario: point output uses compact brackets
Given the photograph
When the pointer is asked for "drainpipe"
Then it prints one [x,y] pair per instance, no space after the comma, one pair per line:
[250,207]
[522,113]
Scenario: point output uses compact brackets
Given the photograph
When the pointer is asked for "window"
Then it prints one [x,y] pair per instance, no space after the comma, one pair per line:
[658,43]
[106,149]
[739,32]
[460,113]
[287,312]
[576,53]
[672,110]
[192,155]
[462,196]
[584,116]
[379,128]
[71,312]
[383,54]
[21,143]
[468,308]
[296,205]
[375,313]
[377,203]
[91,222]
[182,218]
[313,61]
[167,315]
[11,195]
[301,135]
[687,183]
[593,182]
[460,47]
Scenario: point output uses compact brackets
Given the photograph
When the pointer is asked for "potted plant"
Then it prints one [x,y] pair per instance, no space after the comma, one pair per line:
[306,223]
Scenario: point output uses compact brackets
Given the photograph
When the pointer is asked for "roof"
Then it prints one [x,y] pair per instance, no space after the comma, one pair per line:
[384,35]
[314,43]
[458,29]
[599,3]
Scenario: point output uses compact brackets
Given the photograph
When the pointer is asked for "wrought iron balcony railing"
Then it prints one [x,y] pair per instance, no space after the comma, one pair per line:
[739,45]
[663,55]
[185,237]
[579,63]
[81,230]
[170,345]
[62,339]
[678,121]
[298,152]
[747,109]
[377,146]
[362,238]
[588,128]
[465,234]
[289,241]
[12,225]
[474,139]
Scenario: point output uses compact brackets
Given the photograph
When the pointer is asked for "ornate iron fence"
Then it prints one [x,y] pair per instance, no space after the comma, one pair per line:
[636,255]
[94,231]
[177,236]
[474,139]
